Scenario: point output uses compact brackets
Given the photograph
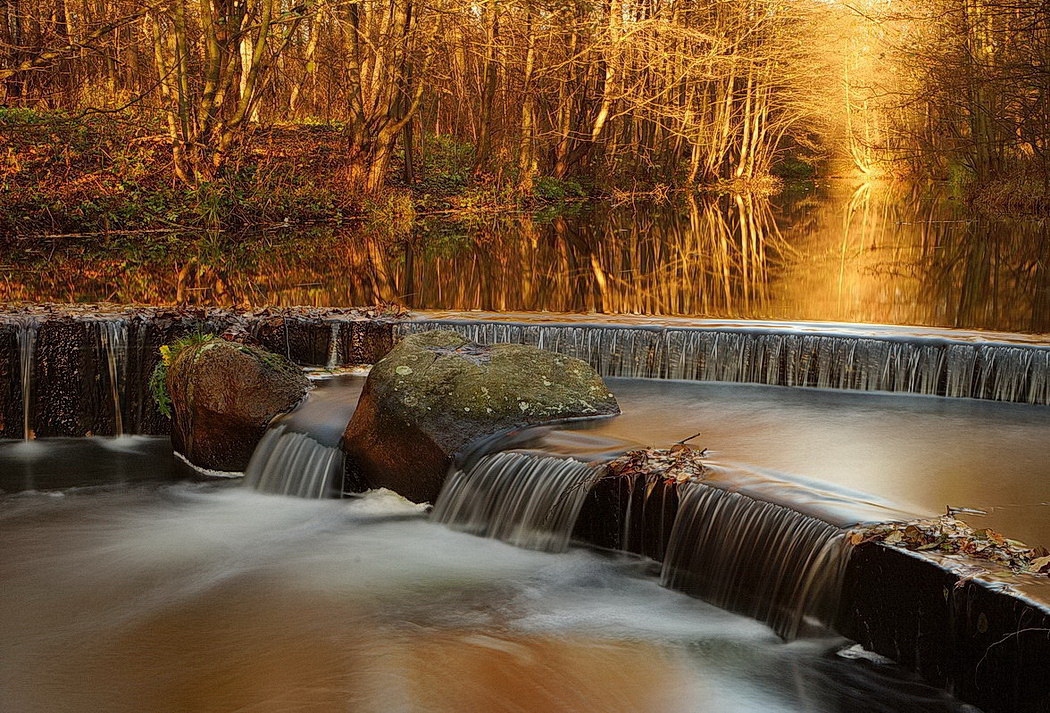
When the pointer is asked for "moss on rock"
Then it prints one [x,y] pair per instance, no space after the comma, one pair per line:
[441,388]
[223,395]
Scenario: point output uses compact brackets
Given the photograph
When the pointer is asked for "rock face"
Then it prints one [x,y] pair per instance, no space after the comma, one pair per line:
[223,396]
[435,392]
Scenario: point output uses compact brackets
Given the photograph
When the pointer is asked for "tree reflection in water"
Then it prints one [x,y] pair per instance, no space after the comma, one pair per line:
[871,253]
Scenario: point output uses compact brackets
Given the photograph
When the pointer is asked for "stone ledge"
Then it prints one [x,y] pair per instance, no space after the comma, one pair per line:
[72,391]
[976,638]
[983,643]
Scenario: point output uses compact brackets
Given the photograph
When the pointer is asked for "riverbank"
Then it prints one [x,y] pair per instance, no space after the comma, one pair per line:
[1014,195]
[63,175]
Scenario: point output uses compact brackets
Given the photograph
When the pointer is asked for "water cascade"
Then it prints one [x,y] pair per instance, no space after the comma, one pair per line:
[752,542]
[334,352]
[26,347]
[289,463]
[788,355]
[113,335]
[299,454]
[751,556]
[527,500]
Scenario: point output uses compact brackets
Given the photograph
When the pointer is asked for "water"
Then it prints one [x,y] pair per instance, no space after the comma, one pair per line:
[113,335]
[290,463]
[524,499]
[54,464]
[756,557]
[827,357]
[917,454]
[299,454]
[196,598]
[839,252]
[26,345]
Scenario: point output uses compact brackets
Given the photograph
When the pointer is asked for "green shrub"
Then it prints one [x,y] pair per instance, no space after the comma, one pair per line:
[158,386]
[549,188]
[447,163]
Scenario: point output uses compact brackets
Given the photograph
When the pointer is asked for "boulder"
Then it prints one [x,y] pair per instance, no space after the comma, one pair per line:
[436,392]
[223,395]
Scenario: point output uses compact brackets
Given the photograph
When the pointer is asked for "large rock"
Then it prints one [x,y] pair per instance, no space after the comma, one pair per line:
[223,395]
[435,392]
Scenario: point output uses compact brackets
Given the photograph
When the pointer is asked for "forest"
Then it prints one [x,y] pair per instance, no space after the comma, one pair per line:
[130,113]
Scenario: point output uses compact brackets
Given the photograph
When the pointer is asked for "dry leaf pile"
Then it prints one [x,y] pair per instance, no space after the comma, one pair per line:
[679,463]
[950,536]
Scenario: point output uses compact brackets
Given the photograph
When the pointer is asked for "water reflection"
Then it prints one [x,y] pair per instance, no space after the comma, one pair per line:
[871,253]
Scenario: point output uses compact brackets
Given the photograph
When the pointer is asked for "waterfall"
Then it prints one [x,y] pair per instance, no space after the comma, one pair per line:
[289,463]
[779,355]
[334,356]
[527,500]
[754,557]
[26,349]
[299,454]
[113,335]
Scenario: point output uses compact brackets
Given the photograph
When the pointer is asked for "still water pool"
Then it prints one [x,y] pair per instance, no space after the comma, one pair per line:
[835,251]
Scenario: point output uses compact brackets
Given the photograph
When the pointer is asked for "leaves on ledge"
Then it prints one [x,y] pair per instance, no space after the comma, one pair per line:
[950,536]
[679,463]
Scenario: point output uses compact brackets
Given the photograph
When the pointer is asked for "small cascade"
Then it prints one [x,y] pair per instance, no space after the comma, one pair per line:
[930,364]
[524,499]
[334,352]
[754,557]
[26,350]
[289,463]
[113,335]
[299,454]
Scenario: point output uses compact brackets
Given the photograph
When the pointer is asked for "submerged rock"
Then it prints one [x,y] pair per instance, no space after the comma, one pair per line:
[222,397]
[436,392]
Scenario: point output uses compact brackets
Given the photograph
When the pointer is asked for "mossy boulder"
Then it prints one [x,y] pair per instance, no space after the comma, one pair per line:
[222,397]
[436,392]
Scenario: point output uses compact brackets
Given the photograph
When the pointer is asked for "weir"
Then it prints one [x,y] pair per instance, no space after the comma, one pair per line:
[779,562]
[91,356]
[929,363]
[83,371]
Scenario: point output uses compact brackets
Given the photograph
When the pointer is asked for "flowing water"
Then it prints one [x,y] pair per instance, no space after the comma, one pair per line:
[113,335]
[195,598]
[188,598]
[519,498]
[26,345]
[299,454]
[759,558]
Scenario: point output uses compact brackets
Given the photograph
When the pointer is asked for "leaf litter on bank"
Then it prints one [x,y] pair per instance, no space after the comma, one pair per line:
[947,535]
